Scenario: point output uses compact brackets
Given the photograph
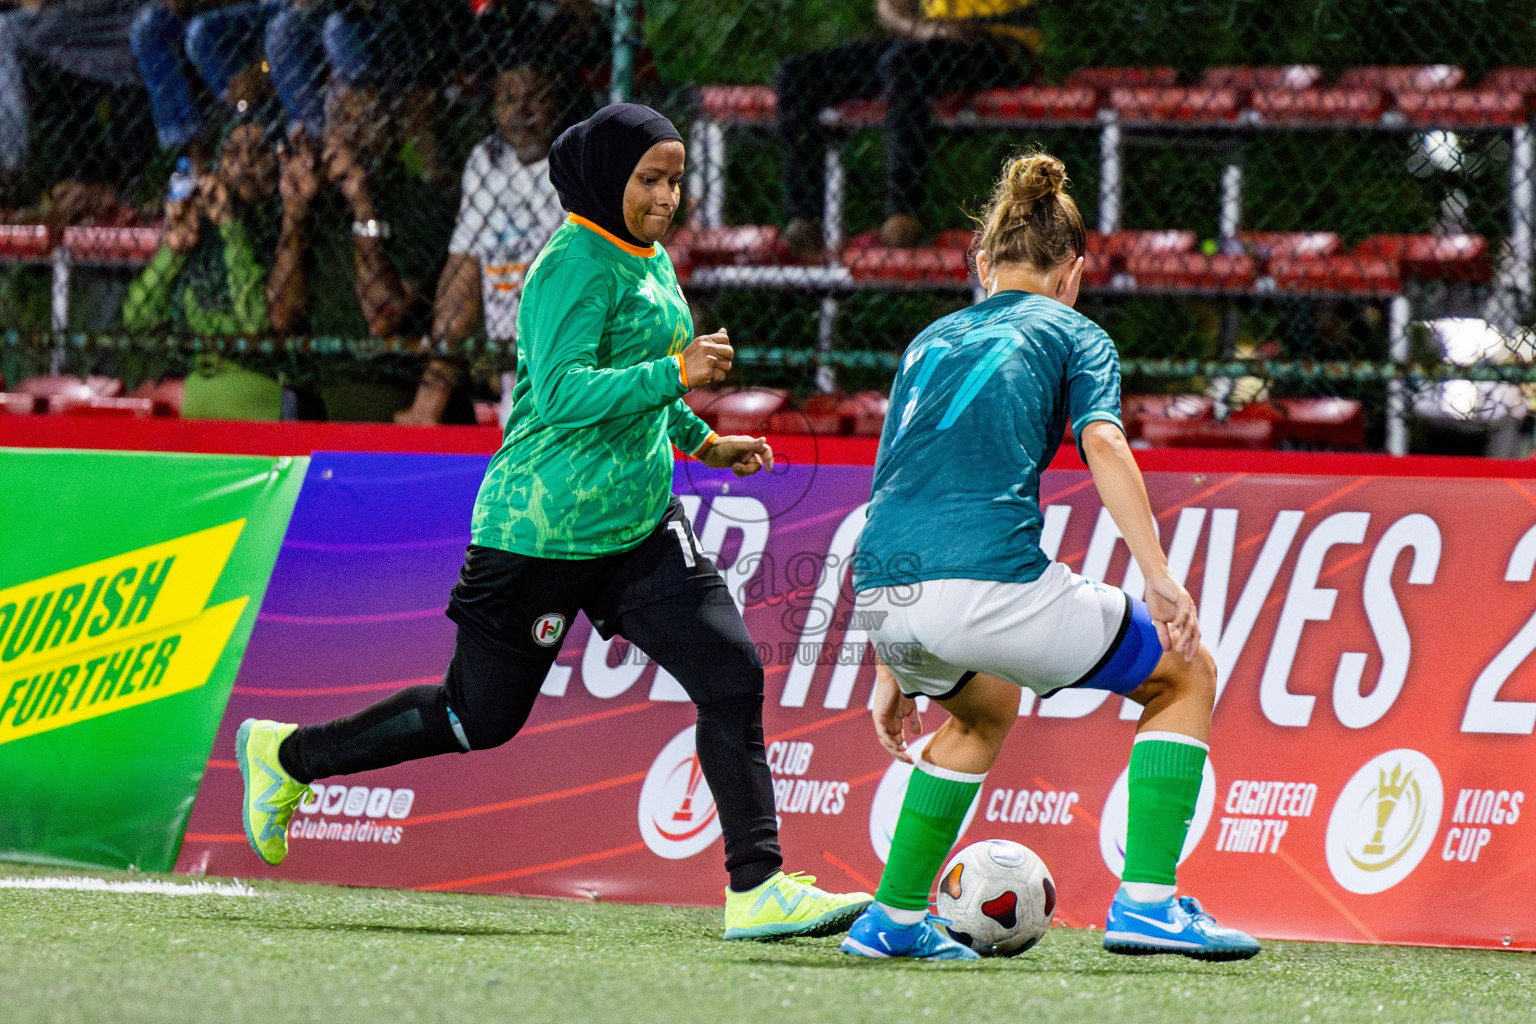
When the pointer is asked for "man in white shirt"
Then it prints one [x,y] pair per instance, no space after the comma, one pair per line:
[507,212]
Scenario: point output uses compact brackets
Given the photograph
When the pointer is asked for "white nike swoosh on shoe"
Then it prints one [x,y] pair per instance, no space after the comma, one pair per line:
[884,943]
[1171,929]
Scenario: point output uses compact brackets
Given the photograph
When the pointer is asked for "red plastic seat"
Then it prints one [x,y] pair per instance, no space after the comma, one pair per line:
[927,264]
[1136,409]
[1105,79]
[1124,244]
[164,395]
[954,238]
[25,242]
[1350,273]
[1341,106]
[1195,104]
[748,412]
[702,402]
[17,404]
[1247,79]
[1334,422]
[818,414]
[1521,80]
[1228,433]
[126,408]
[1037,103]
[1464,108]
[864,413]
[1097,269]
[1296,244]
[54,387]
[742,245]
[855,114]
[1193,270]
[116,246]
[1403,77]
[1433,257]
[744,104]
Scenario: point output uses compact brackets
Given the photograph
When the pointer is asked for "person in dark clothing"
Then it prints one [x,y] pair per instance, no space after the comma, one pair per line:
[935,47]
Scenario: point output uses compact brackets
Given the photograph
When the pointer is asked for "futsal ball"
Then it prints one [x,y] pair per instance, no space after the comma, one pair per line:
[998,896]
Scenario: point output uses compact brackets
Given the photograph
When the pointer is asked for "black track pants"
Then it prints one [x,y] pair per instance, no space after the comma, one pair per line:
[512,610]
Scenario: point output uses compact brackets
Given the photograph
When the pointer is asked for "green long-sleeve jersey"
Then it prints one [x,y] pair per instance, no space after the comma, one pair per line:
[585,465]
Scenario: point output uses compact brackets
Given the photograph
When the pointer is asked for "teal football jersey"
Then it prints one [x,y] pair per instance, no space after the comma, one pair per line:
[980,405]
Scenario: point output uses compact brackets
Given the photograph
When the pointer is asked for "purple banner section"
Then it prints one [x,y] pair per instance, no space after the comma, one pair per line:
[355,611]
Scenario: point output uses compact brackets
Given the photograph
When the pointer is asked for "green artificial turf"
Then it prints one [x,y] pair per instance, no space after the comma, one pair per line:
[303,953]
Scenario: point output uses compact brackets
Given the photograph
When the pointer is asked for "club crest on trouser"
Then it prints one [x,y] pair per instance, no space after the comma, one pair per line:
[548,629]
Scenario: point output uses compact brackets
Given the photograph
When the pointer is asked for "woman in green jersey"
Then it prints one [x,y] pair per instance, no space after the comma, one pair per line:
[576,514]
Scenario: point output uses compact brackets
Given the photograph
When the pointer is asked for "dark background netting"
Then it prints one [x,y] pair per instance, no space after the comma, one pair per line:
[413,86]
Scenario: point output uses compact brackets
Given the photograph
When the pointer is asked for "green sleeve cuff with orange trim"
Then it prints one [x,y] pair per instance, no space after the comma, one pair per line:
[686,431]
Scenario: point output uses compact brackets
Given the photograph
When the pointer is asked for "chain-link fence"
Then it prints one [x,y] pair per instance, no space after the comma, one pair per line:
[1313,219]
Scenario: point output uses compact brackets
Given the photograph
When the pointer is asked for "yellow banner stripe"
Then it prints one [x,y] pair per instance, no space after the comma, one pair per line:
[103,604]
[130,671]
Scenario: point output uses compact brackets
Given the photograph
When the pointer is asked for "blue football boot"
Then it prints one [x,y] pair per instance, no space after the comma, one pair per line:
[1175,926]
[876,936]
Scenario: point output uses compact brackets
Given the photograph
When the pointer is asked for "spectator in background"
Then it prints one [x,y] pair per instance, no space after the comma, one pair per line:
[72,55]
[507,211]
[210,277]
[222,43]
[358,258]
[935,47]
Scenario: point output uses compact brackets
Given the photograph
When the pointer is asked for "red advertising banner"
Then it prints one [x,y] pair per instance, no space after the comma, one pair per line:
[1370,756]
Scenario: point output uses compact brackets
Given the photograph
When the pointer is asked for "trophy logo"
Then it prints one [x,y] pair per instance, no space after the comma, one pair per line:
[1384,821]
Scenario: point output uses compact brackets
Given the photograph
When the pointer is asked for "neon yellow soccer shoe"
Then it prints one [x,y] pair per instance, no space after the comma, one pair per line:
[271,794]
[790,904]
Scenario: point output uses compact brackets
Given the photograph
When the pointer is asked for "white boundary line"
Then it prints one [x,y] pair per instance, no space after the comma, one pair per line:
[151,887]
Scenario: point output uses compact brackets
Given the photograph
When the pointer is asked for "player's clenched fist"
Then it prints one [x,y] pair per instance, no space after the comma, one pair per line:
[708,359]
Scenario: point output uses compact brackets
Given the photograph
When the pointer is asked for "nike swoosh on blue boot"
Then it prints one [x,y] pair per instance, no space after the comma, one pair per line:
[1176,926]
[876,936]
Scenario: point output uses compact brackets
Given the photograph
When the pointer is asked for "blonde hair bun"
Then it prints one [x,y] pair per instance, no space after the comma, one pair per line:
[1033,177]
[1030,217]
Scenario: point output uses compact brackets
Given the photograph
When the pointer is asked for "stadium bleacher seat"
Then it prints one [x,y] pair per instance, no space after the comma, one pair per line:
[1122,245]
[1396,78]
[864,413]
[27,242]
[1463,108]
[111,245]
[1193,271]
[1348,273]
[743,245]
[1266,245]
[1432,257]
[1249,79]
[1332,422]
[1107,78]
[1136,409]
[1037,103]
[1195,104]
[1331,106]
[17,404]
[67,386]
[733,104]
[818,414]
[1520,80]
[930,264]
[164,395]
[748,412]
[1228,433]
[702,402]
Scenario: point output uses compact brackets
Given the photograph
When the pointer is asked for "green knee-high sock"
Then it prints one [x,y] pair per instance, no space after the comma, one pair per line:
[931,816]
[1164,783]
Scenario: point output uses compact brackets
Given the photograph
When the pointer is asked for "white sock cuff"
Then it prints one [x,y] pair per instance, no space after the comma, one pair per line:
[1172,737]
[903,916]
[929,768]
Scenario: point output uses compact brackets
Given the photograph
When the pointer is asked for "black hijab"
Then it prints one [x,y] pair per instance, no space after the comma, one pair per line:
[591,161]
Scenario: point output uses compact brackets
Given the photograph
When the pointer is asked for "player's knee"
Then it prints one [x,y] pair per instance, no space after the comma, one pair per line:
[990,725]
[1201,677]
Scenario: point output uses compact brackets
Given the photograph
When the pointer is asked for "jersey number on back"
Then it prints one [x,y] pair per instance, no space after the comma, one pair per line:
[1005,342]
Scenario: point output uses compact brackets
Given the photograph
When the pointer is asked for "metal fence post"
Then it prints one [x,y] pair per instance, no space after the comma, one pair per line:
[625,22]
[1399,312]
[1521,203]
[1109,172]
